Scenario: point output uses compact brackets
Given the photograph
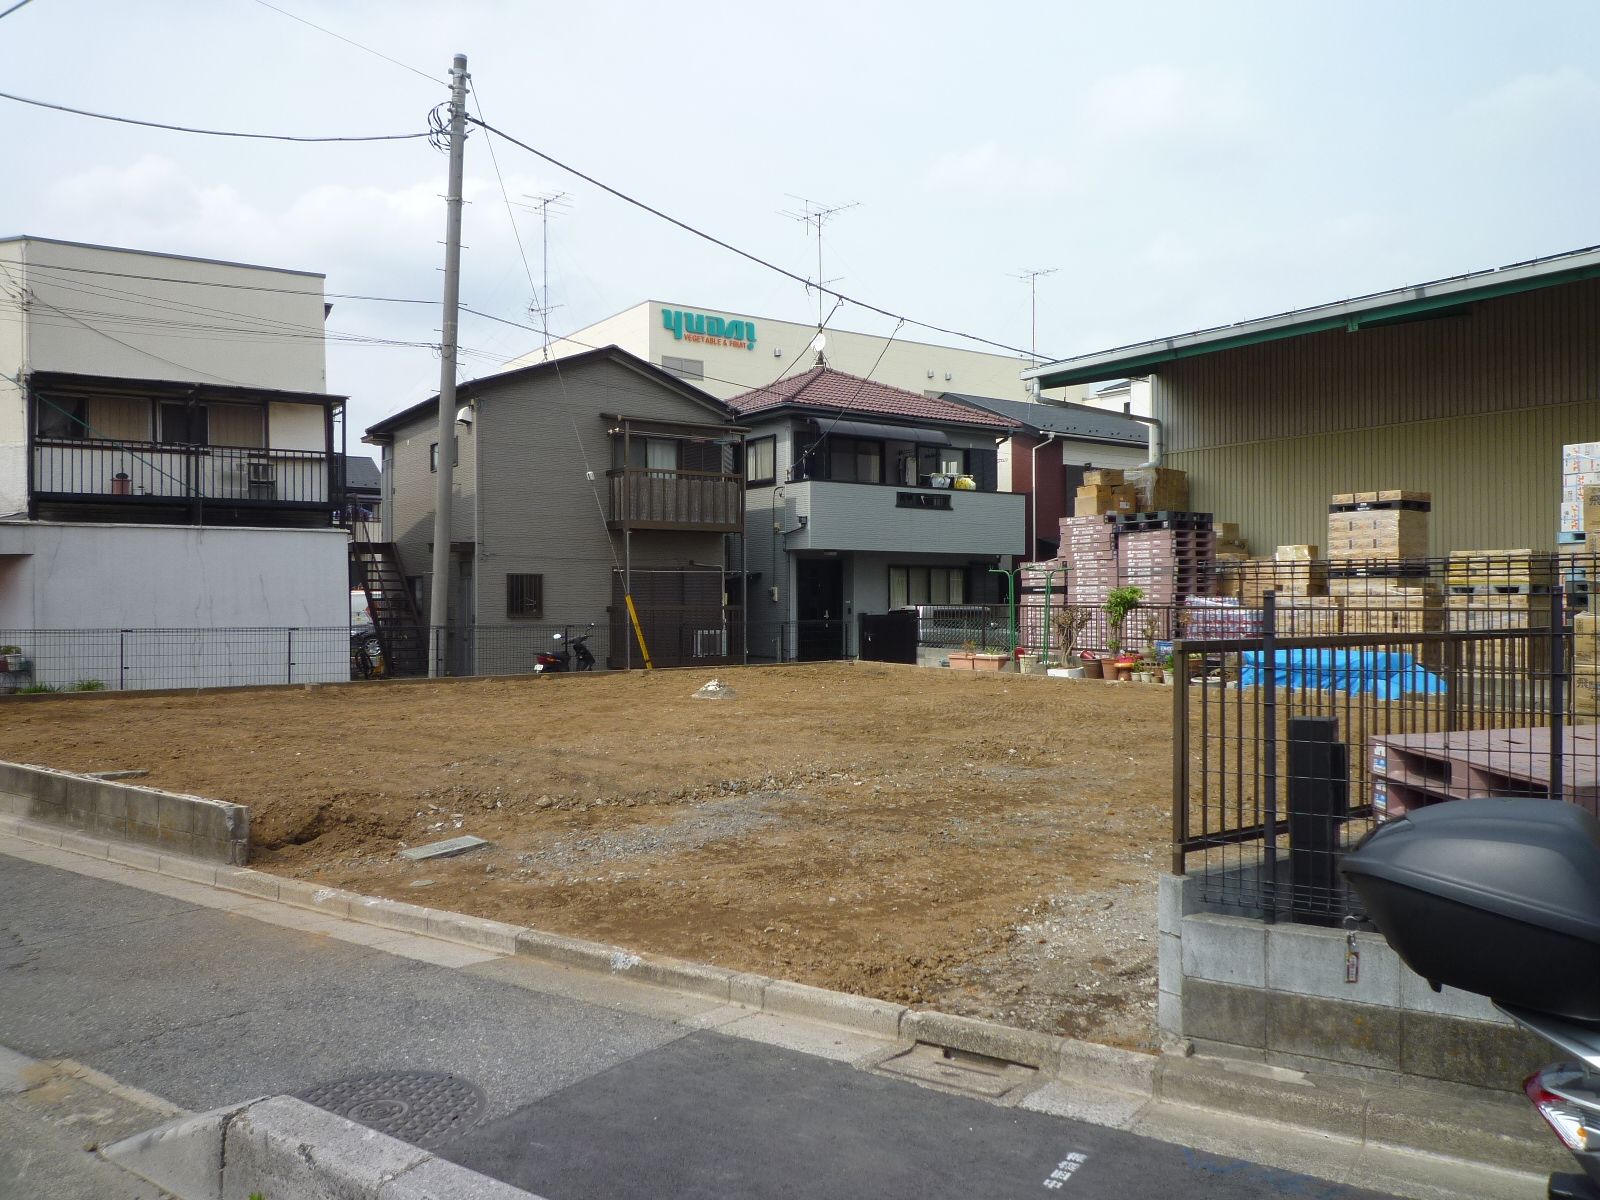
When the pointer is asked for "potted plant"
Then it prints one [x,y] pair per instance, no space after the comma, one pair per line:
[962,659]
[1089,665]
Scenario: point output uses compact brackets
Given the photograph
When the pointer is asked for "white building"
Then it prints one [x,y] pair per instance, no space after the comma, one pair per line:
[169,459]
[729,353]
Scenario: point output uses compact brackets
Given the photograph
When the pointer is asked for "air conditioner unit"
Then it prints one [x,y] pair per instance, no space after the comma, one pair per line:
[263,472]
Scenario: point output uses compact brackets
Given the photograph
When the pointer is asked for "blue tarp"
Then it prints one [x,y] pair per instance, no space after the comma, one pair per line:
[1385,675]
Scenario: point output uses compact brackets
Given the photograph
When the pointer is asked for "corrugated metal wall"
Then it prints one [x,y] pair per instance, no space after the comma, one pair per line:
[1495,479]
[1474,409]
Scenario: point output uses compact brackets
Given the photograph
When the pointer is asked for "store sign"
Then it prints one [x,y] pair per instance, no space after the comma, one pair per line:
[714,331]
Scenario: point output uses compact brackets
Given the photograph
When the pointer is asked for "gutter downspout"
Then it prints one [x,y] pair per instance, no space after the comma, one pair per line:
[1155,438]
[1033,509]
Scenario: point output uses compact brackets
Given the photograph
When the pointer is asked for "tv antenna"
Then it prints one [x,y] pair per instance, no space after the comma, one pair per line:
[814,216]
[1032,279]
[543,202]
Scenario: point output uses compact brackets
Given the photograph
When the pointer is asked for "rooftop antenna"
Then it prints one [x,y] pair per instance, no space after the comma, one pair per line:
[1032,278]
[814,216]
[542,308]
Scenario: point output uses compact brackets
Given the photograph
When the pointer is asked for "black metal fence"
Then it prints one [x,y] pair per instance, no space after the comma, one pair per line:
[1290,746]
[93,467]
[802,641]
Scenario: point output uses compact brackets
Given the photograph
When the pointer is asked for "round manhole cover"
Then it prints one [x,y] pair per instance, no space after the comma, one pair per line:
[420,1107]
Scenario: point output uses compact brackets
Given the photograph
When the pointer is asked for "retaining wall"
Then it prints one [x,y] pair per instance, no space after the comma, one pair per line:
[1278,994]
[192,825]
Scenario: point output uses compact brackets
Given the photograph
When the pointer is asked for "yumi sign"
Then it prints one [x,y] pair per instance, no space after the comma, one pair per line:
[713,330]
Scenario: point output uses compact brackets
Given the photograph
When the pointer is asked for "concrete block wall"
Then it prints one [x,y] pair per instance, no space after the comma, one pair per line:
[1278,994]
[208,829]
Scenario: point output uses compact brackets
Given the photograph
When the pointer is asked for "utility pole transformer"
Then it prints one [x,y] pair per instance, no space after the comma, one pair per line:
[439,592]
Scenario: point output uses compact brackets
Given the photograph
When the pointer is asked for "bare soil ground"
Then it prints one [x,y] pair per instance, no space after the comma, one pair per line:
[986,844]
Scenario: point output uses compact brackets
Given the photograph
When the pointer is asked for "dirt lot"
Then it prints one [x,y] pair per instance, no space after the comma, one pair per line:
[984,844]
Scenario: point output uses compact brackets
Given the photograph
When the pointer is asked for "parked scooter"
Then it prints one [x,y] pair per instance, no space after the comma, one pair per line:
[561,658]
[1502,898]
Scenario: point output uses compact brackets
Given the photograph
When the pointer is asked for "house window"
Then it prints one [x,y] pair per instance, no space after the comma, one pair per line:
[684,368]
[184,425]
[62,416]
[654,454]
[433,454]
[854,461]
[760,461]
[910,586]
[524,595]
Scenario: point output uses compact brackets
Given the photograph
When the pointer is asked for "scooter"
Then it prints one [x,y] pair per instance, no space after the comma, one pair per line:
[560,659]
[1501,898]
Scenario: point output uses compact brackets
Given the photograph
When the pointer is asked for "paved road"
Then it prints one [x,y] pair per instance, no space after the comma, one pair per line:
[586,1100]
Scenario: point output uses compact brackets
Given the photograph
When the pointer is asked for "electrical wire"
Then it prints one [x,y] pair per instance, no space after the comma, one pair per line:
[14,8]
[238,287]
[348,41]
[270,137]
[745,254]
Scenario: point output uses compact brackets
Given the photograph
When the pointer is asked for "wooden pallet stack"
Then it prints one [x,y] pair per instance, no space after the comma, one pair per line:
[1089,550]
[1167,555]
[1041,596]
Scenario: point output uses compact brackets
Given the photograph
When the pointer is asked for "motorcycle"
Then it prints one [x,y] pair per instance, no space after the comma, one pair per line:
[1501,898]
[560,659]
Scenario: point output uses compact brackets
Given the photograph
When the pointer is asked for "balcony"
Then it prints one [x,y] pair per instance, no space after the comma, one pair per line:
[150,474]
[882,517]
[655,498]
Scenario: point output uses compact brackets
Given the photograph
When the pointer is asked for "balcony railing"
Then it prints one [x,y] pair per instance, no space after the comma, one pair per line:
[650,498]
[148,470]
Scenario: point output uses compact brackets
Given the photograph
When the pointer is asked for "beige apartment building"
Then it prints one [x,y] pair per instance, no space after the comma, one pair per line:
[729,353]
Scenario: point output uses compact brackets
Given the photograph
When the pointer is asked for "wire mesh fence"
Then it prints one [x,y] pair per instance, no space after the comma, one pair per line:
[1289,748]
[133,659]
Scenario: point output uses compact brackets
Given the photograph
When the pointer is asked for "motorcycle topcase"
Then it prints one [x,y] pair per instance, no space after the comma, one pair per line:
[1497,897]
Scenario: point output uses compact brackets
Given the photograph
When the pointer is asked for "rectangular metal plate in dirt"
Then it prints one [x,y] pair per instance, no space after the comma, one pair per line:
[444,849]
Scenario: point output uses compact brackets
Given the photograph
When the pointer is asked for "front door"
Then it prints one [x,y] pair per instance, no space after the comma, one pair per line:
[819,605]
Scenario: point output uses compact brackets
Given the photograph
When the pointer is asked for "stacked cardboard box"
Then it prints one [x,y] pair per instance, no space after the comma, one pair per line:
[1586,665]
[1089,549]
[1096,499]
[1229,543]
[1158,489]
[1167,564]
[1388,525]
[1297,571]
[1580,470]
[1383,604]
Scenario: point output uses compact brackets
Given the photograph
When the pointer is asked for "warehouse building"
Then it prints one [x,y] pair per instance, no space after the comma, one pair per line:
[1466,388]
[730,353]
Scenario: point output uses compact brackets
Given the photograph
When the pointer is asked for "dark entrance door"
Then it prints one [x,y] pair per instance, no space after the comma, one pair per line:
[819,604]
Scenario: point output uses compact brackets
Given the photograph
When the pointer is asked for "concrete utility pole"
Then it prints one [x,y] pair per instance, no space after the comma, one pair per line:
[439,592]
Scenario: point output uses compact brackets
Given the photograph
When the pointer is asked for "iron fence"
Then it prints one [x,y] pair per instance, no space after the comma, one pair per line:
[985,627]
[1289,748]
[132,659]
[91,467]
[802,641]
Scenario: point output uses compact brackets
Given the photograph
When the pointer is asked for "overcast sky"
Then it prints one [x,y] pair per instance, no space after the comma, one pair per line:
[1179,164]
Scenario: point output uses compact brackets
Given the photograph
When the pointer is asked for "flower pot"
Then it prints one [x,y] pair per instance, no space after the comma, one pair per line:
[1091,668]
[961,660]
[1076,672]
[988,662]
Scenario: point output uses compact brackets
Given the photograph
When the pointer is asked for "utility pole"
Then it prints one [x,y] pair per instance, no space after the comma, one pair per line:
[439,593]
[1032,278]
[814,216]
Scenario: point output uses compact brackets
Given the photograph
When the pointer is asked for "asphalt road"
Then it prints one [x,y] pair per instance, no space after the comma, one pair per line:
[584,1101]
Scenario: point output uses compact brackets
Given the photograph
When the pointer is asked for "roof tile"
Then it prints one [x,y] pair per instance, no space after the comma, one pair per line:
[823,387]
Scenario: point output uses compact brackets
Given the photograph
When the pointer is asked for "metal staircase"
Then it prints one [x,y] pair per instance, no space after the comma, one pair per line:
[394,612]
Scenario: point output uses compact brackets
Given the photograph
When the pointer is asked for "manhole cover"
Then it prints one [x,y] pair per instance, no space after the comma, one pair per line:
[420,1107]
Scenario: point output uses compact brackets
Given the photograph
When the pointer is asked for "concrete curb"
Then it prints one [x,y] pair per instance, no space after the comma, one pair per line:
[285,1147]
[1493,1132]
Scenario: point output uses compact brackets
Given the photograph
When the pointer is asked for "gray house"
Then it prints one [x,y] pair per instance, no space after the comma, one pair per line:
[865,497]
[578,481]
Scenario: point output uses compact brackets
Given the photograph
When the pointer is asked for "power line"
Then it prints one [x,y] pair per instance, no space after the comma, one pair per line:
[14,8]
[238,287]
[745,254]
[348,41]
[270,137]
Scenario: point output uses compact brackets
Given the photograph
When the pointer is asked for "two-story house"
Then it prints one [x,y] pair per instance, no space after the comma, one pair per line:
[168,458]
[864,497]
[578,482]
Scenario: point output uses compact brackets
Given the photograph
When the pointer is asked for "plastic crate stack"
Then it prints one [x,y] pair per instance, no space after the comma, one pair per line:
[1167,555]
[1089,550]
[1041,594]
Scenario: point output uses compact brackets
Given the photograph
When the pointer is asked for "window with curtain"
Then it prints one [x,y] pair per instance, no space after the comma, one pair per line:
[910,586]
[760,461]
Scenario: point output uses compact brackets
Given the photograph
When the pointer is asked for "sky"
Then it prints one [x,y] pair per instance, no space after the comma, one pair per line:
[1177,165]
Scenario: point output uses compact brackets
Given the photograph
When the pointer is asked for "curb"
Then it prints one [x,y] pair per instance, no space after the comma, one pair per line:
[285,1147]
[1408,1119]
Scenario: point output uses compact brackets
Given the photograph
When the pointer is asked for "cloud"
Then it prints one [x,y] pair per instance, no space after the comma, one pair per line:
[1162,103]
[1534,106]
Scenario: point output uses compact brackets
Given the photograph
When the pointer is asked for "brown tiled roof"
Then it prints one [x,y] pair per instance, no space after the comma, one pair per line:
[823,387]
